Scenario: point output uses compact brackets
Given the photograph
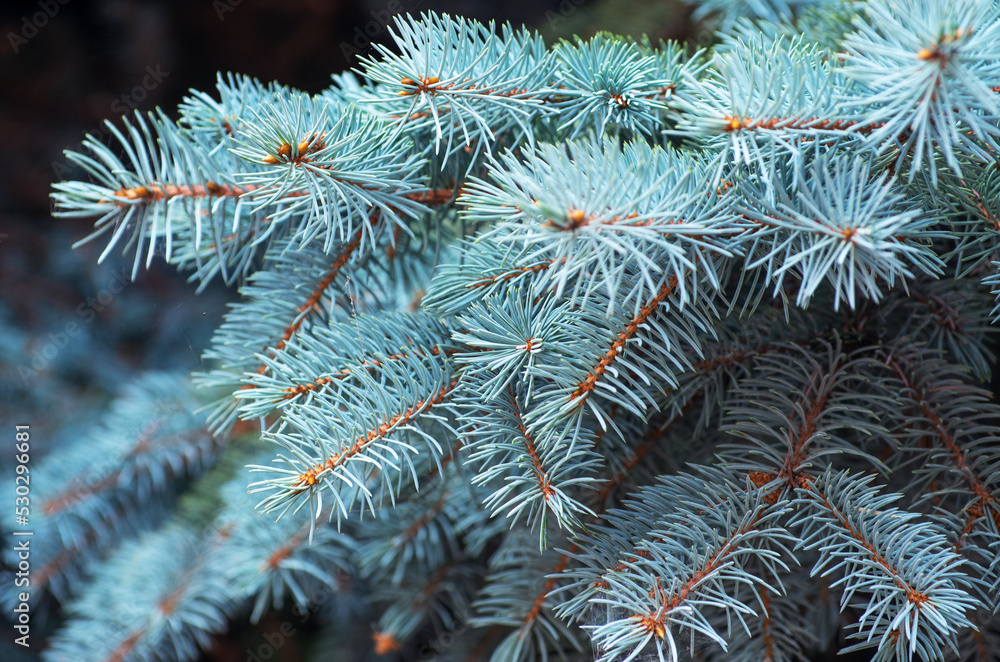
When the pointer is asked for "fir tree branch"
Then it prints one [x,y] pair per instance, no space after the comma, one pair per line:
[962,426]
[928,608]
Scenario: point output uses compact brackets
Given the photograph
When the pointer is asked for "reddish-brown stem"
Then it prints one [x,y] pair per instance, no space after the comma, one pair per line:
[986,500]
[312,303]
[125,647]
[310,477]
[478,652]
[320,382]
[797,438]
[286,549]
[167,604]
[912,594]
[814,124]
[765,599]
[539,602]
[944,313]
[650,442]
[587,386]
[529,444]
[76,492]
[422,521]
[655,621]
[155,192]
[514,273]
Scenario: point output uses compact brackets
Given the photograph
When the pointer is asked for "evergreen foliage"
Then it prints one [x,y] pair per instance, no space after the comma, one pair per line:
[608,348]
